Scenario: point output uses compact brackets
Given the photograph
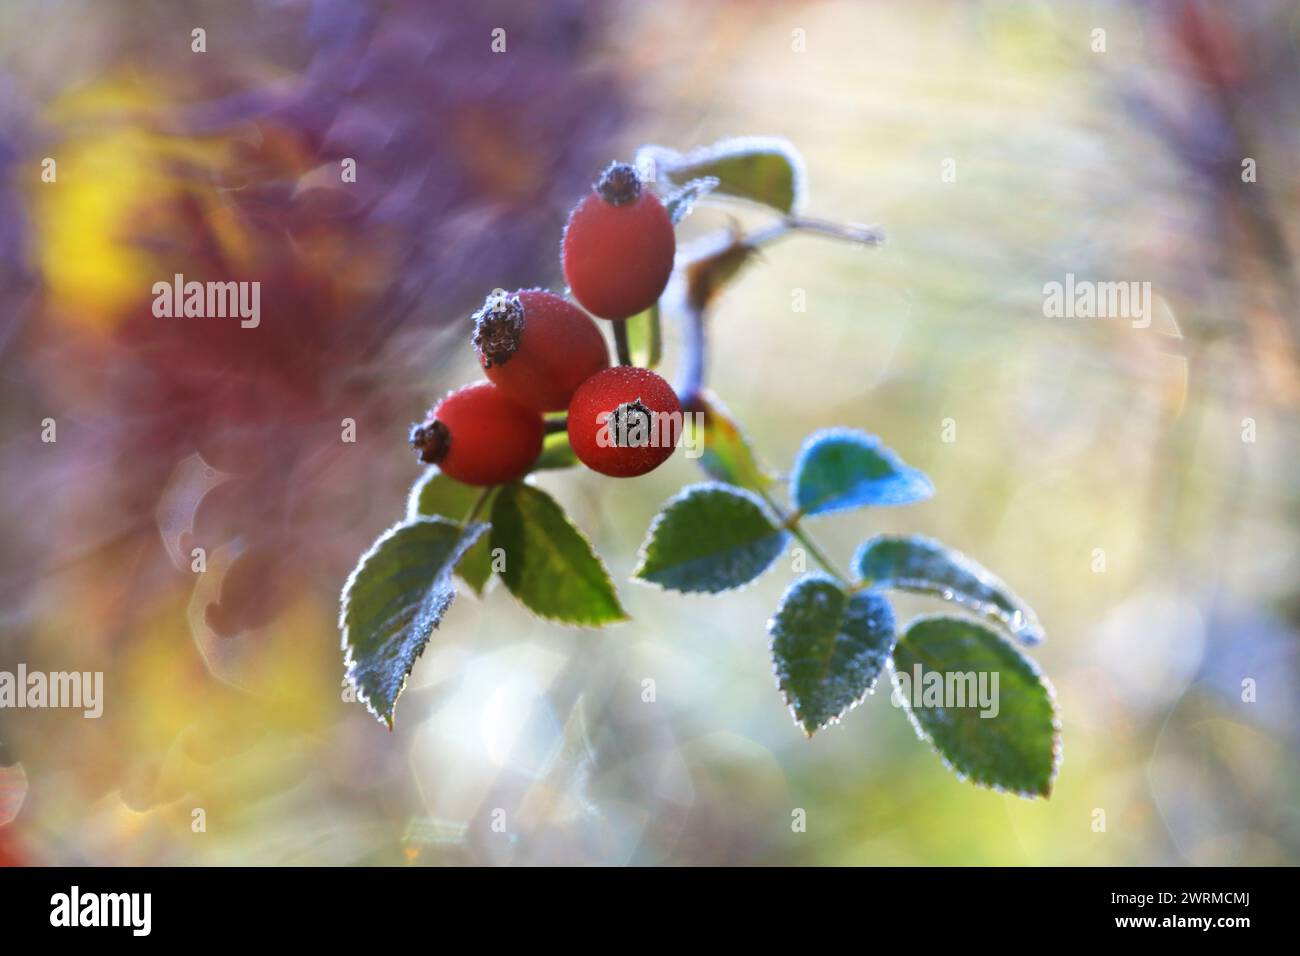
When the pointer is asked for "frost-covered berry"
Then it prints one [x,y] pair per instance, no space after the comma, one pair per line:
[479,435]
[624,422]
[537,347]
[618,246]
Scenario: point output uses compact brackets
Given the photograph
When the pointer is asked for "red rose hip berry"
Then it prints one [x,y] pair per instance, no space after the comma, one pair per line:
[479,435]
[624,422]
[538,348]
[618,246]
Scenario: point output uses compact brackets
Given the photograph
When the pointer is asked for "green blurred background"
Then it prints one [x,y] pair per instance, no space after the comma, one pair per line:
[1101,469]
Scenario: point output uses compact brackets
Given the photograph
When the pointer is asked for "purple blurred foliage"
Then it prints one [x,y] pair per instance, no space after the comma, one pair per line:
[470,155]
[15,277]
[467,161]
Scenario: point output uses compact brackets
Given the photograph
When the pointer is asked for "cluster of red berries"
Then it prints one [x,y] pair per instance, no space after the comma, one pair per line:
[543,354]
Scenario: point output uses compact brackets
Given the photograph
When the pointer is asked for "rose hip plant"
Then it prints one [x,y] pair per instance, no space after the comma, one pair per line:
[552,399]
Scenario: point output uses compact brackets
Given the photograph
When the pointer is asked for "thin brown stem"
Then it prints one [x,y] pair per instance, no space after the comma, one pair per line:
[791,521]
[848,232]
[694,362]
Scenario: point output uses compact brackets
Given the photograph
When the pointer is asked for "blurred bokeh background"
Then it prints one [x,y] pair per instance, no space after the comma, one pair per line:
[1138,486]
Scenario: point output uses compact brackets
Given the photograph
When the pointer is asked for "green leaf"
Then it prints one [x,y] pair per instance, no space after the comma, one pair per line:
[436,495]
[556,453]
[475,568]
[839,468]
[645,337]
[828,648]
[1016,746]
[915,563]
[710,537]
[765,170]
[727,454]
[394,598]
[549,564]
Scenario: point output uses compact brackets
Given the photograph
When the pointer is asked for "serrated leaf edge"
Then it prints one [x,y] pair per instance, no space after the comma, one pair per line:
[574,622]
[676,499]
[1057,743]
[467,540]
[967,564]
[871,687]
